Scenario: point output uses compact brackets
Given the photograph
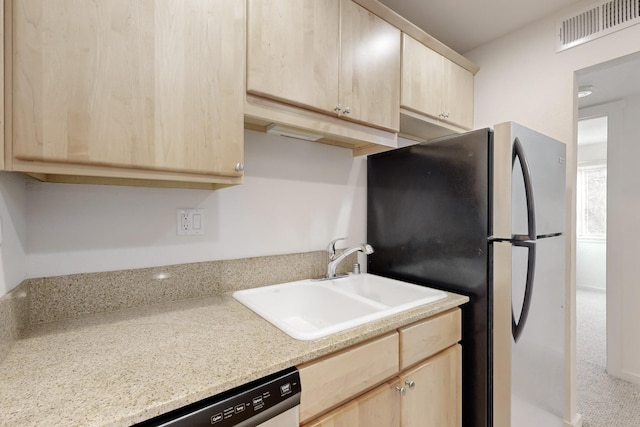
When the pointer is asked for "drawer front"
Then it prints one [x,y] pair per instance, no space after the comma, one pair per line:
[340,376]
[428,337]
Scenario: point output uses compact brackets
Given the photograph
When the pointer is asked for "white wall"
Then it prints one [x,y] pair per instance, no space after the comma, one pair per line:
[591,264]
[592,153]
[521,78]
[623,349]
[591,254]
[623,205]
[13,230]
[297,196]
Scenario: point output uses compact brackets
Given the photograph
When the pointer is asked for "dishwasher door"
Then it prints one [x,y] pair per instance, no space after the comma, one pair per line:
[272,401]
[289,418]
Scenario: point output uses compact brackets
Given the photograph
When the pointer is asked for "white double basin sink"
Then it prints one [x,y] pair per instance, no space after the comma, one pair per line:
[309,309]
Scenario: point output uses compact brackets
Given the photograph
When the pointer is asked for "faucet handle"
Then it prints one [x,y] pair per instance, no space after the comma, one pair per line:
[332,247]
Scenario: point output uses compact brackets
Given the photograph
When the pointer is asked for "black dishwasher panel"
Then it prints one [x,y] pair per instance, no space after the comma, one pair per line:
[257,401]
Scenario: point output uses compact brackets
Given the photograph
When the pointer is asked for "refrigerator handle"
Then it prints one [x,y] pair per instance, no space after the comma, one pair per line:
[518,327]
[518,152]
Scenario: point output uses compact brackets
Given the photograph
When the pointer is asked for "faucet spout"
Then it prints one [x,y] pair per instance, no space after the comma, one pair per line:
[333,264]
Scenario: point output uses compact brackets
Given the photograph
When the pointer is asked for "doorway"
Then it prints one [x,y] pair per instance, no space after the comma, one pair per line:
[608,376]
[591,241]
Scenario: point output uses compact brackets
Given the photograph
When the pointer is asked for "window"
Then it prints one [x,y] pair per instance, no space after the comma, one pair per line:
[592,201]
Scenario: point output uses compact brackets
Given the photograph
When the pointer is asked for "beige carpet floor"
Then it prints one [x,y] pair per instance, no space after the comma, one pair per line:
[603,401]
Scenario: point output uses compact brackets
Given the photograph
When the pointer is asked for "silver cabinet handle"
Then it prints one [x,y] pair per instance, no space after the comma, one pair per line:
[338,108]
[239,167]
[410,384]
[402,390]
[347,110]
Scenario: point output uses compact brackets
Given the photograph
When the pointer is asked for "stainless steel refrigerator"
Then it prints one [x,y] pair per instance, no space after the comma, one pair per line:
[483,214]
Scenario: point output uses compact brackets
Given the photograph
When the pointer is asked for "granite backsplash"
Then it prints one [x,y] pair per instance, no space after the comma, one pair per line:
[51,299]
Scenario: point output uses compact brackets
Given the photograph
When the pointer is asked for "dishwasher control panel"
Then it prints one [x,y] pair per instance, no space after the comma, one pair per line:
[247,405]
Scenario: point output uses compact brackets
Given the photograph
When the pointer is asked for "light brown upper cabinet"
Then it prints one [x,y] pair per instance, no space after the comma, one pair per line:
[329,56]
[369,68]
[292,51]
[435,86]
[138,90]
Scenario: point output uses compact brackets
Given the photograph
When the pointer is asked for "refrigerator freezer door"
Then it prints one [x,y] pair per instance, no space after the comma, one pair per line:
[537,361]
[545,159]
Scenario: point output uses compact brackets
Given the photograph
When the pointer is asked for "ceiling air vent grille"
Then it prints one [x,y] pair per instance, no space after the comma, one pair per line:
[596,21]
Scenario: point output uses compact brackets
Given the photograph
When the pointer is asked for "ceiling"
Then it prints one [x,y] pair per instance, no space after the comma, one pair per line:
[466,24]
[611,80]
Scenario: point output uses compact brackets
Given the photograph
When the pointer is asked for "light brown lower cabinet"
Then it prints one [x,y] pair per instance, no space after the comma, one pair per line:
[379,407]
[431,398]
[411,391]
[433,392]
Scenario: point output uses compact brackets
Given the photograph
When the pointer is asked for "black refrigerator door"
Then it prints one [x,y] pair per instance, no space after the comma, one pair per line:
[428,219]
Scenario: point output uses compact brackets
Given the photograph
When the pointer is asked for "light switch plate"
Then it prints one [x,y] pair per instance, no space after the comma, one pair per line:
[190,222]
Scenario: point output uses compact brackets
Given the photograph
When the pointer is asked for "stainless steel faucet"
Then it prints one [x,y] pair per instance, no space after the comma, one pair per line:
[335,260]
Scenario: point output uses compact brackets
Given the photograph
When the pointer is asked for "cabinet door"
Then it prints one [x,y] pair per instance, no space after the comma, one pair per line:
[379,407]
[457,99]
[293,51]
[149,84]
[435,399]
[435,86]
[422,80]
[369,68]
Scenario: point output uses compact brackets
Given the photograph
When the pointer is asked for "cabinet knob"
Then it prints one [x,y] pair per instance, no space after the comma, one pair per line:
[338,108]
[347,110]
[410,384]
[239,167]
[402,390]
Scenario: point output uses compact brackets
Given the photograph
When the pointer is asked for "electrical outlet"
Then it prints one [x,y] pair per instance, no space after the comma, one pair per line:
[190,222]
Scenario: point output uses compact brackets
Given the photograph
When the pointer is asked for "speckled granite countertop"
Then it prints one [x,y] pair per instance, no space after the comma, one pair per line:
[120,368]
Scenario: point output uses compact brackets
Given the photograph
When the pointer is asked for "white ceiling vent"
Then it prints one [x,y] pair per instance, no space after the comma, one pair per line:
[596,21]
